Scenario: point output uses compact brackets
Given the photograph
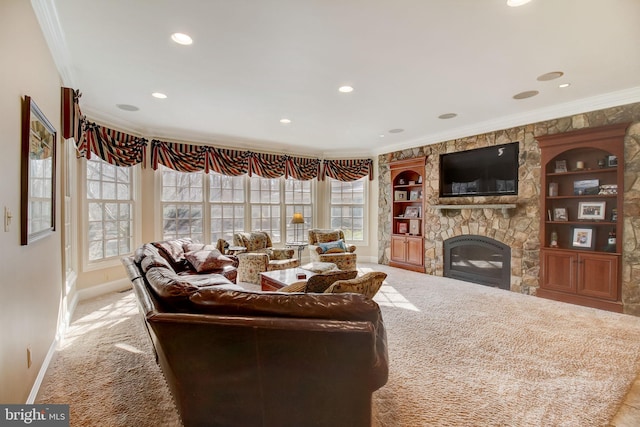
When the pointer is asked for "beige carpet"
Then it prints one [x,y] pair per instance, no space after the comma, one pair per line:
[461,355]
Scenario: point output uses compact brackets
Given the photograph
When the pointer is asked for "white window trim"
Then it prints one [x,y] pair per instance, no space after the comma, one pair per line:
[114,261]
[365,205]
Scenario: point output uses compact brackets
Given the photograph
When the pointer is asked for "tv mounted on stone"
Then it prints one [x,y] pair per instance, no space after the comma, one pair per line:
[487,171]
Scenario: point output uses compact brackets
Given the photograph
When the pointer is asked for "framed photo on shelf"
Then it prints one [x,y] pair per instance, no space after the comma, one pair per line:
[612,161]
[403,228]
[586,187]
[591,210]
[582,238]
[561,166]
[412,212]
[560,214]
[400,195]
[415,195]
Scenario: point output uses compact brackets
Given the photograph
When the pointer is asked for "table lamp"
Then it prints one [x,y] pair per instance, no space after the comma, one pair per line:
[297,219]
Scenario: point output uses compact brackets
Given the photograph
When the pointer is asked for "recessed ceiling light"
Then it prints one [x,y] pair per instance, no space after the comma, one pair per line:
[127,107]
[285,121]
[516,3]
[447,116]
[525,94]
[345,89]
[181,38]
[564,85]
[550,76]
[396,130]
[159,95]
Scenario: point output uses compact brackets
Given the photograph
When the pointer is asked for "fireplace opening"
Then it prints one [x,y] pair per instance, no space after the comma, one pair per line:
[478,259]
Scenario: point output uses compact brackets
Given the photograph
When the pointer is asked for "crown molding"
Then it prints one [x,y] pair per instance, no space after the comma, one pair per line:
[584,105]
[47,16]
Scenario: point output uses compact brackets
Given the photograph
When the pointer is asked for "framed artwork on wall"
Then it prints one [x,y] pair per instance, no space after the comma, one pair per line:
[38,174]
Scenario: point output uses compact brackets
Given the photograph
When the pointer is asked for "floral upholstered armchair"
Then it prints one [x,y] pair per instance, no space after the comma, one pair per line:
[261,256]
[329,246]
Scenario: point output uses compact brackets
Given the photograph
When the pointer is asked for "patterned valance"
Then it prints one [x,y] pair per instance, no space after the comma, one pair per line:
[348,170]
[112,146]
[122,149]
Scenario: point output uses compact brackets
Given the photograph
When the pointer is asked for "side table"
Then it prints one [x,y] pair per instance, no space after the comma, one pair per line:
[299,245]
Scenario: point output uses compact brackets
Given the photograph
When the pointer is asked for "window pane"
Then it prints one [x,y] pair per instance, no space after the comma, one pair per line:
[347,208]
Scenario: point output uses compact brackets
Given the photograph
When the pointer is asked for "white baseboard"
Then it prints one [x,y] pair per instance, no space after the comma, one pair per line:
[98,290]
[43,370]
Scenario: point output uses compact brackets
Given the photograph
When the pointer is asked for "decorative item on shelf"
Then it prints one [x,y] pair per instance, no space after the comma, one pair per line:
[591,210]
[411,212]
[549,215]
[614,215]
[554,239]
[560,214]
[420,179]
[412,183]
[582,238]
[401,181]
[602,163]
[413,195]
[586,187]
[553,189]
[414,227]
[612,161]
[608,189]
[611,242]
[579,165]
[403,228]
[400,195]
[296,220]
[561,166]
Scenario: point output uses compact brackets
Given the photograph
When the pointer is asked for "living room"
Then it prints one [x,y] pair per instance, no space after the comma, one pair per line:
[36,300]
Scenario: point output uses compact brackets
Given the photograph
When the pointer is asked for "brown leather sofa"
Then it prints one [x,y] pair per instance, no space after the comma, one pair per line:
[234,357]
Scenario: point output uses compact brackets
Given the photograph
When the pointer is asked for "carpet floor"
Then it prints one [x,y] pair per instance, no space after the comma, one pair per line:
[460,355]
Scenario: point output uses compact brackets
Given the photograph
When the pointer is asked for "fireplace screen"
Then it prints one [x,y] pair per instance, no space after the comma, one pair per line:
[478,259]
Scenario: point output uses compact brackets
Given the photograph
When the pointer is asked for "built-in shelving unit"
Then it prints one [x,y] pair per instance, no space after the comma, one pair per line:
[581,216]
[407,240]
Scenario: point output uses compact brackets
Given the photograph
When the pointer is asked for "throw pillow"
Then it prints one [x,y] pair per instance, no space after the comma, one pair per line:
[207,260]
[333,247]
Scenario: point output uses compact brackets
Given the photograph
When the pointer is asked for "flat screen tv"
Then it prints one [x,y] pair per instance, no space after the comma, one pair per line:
[486,171]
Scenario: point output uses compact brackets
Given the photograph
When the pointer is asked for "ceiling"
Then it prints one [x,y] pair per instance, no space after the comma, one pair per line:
[254,62]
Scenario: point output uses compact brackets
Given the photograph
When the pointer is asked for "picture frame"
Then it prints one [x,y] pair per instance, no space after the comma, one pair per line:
[582,238]
[403,228]
[400,196]
[412,212]
[38,174]
[612,161]
[586,187]
[594,211]
[560,214]
[561,166]
[414,195]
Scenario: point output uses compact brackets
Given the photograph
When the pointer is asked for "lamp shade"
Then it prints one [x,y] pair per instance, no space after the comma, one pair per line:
[297,218]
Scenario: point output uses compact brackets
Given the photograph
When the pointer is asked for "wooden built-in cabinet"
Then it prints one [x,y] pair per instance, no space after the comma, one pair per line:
[407,189]
[581,210]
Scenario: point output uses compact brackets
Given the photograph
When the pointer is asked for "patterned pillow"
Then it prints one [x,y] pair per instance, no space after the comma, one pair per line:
[205,260]
[333,247]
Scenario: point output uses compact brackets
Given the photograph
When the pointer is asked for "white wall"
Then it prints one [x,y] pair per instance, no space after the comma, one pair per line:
[30,276]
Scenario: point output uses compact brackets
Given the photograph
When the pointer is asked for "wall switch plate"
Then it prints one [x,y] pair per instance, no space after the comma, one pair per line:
[7,218]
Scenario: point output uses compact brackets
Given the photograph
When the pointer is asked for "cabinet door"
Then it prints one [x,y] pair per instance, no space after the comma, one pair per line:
[559,271]
[415,251]
[598,276]
[398,248]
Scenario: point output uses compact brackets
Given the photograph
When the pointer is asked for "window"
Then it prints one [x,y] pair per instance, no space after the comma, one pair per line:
[182,205]
[297,199]
[347,207]
[226,198]
[109,210]
[266,206]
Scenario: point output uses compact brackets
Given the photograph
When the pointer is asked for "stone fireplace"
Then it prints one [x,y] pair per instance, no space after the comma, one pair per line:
[478,259]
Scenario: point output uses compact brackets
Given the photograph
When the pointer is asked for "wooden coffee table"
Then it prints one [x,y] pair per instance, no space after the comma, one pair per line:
[274,280]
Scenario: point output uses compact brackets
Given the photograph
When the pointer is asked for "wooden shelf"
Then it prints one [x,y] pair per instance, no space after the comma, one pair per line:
[504,207]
